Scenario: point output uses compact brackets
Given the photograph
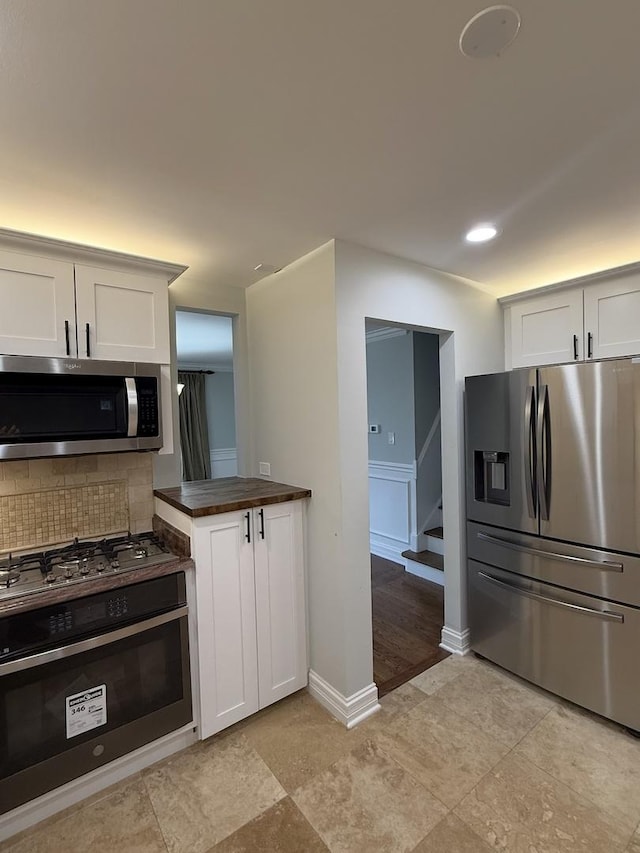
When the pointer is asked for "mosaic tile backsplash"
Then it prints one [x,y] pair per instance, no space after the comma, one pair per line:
[49,501]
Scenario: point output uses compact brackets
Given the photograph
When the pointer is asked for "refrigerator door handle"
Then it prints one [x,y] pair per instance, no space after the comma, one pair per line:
[607,615]
[604,566]
[544,453]
[530,444]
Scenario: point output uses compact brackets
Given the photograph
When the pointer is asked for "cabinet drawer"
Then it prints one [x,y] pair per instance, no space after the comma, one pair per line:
[577,646]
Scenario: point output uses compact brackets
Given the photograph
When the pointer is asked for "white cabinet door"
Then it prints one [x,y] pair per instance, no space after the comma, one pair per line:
[547,329]
[226,617]
[37,308]
[280,601]
[122,316]
[612,317]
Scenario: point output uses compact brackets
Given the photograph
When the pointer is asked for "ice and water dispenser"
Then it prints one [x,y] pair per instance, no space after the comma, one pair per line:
[492,477]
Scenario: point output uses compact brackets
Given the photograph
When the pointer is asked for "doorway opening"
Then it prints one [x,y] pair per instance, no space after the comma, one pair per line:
[405,501]
[206,397]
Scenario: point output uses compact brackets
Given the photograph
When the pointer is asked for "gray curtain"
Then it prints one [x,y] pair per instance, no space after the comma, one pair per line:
[194,433]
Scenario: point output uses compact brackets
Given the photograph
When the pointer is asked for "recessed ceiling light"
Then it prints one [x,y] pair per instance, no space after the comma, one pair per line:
[481,233]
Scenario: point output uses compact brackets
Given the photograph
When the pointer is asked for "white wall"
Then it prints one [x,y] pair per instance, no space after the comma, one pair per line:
[390,398]
[309,411]
[196,295]
[221,410]
[294,391]
[379,286]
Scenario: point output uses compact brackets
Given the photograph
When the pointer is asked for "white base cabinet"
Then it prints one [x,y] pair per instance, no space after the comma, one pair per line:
[251,616]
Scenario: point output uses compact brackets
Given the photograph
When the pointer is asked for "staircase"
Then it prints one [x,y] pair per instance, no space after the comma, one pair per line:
[428,564]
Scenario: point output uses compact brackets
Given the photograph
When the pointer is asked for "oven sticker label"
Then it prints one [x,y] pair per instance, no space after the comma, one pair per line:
[86,710]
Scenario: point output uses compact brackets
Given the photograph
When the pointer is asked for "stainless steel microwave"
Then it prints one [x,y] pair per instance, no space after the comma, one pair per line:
[67,406]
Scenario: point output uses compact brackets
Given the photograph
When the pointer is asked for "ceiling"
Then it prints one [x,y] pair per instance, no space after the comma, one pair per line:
[204,339]
[224,134]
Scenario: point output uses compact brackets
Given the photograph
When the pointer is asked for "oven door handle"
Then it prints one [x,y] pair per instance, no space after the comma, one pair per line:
[91,643]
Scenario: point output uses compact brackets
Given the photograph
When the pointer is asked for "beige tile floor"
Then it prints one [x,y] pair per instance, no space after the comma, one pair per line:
[464,759]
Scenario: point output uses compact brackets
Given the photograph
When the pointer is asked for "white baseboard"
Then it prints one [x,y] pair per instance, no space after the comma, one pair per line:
[427,573]
[456,642]
[387,548]
[349,710]
[91,783]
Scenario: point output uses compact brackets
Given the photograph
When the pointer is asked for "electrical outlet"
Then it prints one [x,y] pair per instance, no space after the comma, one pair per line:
[265,469]
[391,437]
[374,428]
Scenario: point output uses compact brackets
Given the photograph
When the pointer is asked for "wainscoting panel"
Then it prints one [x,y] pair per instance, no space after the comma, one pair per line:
[224,462]
[392,488]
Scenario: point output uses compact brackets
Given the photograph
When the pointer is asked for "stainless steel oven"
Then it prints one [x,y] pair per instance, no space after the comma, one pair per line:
[85,681]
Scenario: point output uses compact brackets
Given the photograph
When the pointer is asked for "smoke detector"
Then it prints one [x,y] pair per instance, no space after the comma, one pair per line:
[489,32]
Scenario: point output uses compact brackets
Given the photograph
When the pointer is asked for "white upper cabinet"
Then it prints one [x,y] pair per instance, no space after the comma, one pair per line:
[612,317]
[63,299]
[37,306]
[122,317]
[599,319]
[547,329]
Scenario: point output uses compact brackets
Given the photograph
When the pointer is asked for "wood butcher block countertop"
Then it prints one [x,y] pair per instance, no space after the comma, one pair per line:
[211,497]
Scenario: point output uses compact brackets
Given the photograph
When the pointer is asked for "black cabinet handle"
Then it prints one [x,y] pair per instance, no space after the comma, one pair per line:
[66,336]
[88,341]
[589,345]
[247,535]
[575,347]
[262,524]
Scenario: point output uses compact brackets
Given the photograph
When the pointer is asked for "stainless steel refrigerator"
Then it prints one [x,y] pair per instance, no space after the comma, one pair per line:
[553,531]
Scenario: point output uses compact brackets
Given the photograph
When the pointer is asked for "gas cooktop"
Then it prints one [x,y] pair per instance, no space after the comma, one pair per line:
[78,562]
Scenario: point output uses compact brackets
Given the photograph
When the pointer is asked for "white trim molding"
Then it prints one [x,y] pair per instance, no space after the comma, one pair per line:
[429,438]
[224,462]
[400,471]
[427,573]
[456,642]
[580,281]
[349,710]
[373,335]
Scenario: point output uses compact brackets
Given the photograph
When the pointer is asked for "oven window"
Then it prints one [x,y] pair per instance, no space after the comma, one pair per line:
[128,679]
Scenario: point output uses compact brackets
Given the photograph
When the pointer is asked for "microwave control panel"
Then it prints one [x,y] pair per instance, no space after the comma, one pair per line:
[148,415]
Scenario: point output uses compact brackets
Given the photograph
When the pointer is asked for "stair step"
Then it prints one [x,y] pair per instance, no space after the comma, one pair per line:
[436,532]
[427,558]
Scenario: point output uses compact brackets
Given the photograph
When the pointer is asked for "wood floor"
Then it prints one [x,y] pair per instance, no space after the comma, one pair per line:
[408,615]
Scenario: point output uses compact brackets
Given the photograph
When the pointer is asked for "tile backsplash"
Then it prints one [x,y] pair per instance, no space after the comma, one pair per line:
[48,501]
